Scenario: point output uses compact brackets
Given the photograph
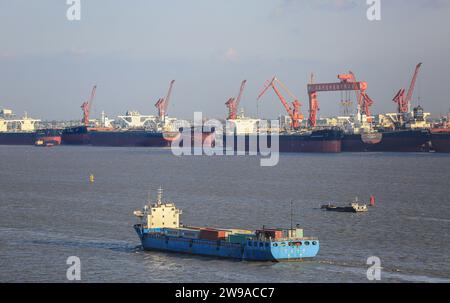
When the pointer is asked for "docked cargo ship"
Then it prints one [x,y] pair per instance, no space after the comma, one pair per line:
[403,140]
[131,137]
[440,140]
[16,131]
[146,138]
[48,137]
[314,141]
[160,229]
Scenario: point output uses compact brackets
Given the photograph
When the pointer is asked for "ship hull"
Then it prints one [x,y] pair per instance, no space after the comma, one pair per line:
[75,136]
[250,251]
[128,138]
[319,141]
[440,141]
[17,138]
[393,141]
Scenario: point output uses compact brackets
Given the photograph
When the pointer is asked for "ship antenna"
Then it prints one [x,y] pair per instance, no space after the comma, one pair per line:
[292,227]
[149,196]
[160,192]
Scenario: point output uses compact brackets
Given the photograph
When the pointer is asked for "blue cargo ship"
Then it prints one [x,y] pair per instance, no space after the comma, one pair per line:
[160,229]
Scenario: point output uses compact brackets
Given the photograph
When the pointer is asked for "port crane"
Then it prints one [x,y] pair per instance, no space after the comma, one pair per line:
[233,104]
[163,103]
[87,106]
[294,110]
[348,83]
[404,103]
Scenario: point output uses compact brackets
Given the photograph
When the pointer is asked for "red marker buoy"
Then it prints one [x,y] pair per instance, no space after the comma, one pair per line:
[372,200]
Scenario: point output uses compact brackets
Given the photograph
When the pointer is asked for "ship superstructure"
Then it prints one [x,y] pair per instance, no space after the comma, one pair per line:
[15,131]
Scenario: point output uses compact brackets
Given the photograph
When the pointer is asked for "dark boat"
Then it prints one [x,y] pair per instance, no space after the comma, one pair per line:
[408,140]
[440,140]
[353,207]
[48,137]
[315,141]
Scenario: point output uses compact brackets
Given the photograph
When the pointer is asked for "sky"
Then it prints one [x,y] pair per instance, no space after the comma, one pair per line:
[131,49]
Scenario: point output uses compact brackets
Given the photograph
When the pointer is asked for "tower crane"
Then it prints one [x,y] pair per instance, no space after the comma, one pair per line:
[294,111]
[87,106]
[163,103]
[404,103]
[233,104]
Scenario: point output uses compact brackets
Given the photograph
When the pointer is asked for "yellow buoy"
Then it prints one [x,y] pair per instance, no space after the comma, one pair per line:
[91,178]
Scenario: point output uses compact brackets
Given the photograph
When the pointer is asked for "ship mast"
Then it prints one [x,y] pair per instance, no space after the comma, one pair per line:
[160,194]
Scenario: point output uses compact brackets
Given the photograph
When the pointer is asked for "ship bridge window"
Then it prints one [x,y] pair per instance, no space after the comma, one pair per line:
[307,243]
[261,244]
[249,243]
[314,243]
[275,244]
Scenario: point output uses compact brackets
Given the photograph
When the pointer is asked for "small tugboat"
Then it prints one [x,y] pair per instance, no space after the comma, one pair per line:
[48,137]
[353,207]
[160,229]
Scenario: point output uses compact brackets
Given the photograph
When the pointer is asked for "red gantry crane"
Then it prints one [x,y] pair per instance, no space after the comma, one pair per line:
[163,103]
[86,107]
[294,111]
[404,103]
[233,104]
[348,83]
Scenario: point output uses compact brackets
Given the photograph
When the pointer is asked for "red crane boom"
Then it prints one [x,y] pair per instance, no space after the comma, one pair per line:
[163,103]
[404,103]
[233,104]
[294,112]
[87,106]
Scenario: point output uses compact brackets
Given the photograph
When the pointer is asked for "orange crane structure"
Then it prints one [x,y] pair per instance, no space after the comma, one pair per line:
[404,103]
[294,110]
[87,106]
[233,104]
[348,83]
[163,103]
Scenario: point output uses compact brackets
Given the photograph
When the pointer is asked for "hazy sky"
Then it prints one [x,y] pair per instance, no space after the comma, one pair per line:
[132,49]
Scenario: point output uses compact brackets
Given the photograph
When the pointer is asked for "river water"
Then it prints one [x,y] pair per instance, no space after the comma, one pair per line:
[49,211]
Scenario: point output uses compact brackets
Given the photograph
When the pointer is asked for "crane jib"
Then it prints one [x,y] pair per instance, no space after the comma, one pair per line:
[320,87]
